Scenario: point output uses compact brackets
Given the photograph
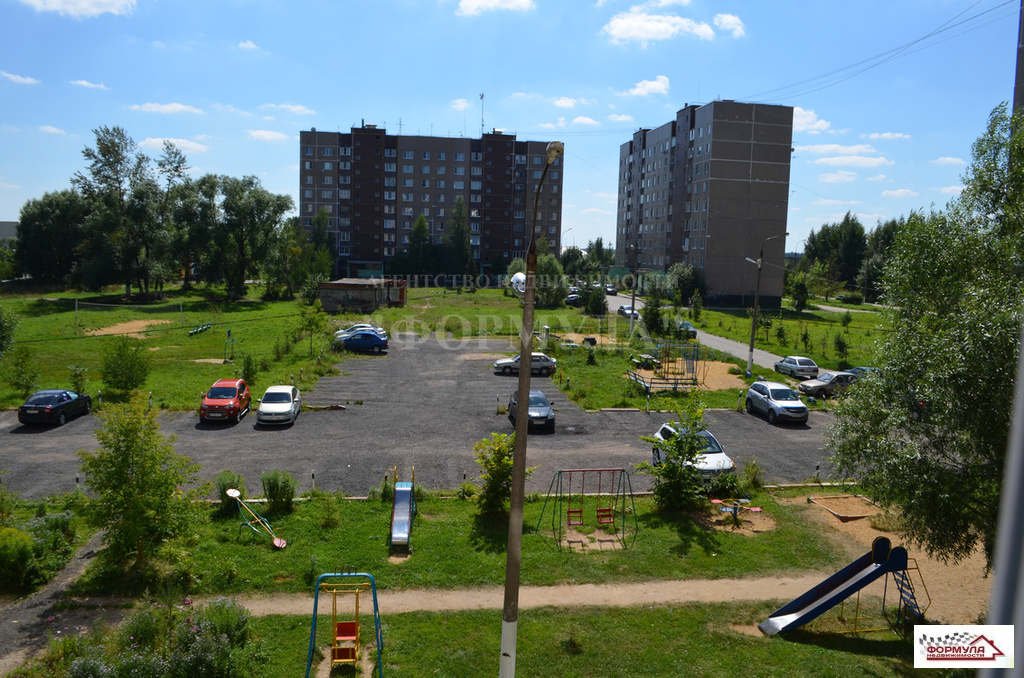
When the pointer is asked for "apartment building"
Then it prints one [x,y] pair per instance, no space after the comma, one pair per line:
[374,185]
[708,189]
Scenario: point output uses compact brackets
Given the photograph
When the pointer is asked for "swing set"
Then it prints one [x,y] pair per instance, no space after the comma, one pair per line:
[613,501]
[346,641]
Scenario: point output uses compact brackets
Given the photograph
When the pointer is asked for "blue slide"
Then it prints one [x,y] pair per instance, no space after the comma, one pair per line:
[878,562]
[401,516]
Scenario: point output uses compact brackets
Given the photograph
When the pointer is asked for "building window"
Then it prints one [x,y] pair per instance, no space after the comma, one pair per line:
[326,195]
[406,211]
[408,169]
[426,155]
[407,197]
[474,240]
[390,181]
[426,212]
[441,183]
[328,166]
[407,183]
[407,155]
[460,171]
[309,179]
[326,152]
[474,185]
[327,181]
[474,227]
[345,150]
[308,193]
[477,157]
[477,171]
[474,197]
[390,167]
[425,183]
[308,151]
[345,194]
[389,223]
[440,169]
[425,169]
[390,153]
[459,185]
[343,179]
[426,197]
[460,157]
[389,195]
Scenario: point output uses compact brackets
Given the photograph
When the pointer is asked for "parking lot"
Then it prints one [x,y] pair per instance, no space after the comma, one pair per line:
[424,404]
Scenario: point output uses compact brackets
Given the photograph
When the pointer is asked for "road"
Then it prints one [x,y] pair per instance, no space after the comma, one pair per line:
[422,405]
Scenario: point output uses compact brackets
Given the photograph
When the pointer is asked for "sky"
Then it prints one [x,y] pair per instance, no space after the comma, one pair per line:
[888,96]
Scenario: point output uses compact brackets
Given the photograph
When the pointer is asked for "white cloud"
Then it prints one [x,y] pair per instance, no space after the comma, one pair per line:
[951,190]
[620,117]
[808,121]
[645,87]
[584,120]
[266,135]
[853,161]
[840,177]
[5,186]
[89,85]
[887,135]
[49,129]
[546,125]
[565,102]
[946,160]
[638,26]
[248,44]
[730,23]
[295,109]
[227,108]
[166,108]
[82,8]
[184,145]
[461,104]
[878,177]
[596,210]
[829,201]
[824,149]
[18,79]
[899,193]
[476,7]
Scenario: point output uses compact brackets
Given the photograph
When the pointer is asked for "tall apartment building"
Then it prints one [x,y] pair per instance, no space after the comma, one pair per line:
[374,185]
[707,189]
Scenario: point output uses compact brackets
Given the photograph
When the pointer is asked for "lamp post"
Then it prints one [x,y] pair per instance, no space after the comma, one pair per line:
[514,551]
[757,292]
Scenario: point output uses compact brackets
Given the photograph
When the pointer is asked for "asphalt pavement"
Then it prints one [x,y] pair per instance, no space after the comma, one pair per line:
[422,405]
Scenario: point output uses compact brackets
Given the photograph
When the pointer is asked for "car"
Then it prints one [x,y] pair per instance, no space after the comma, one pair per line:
[712,460]
[686,329]
[828,384]
[364,340]
[862,372]
[53,406]
[226,399]
[569,345]
[279,405]
[360,327]
[610,289]
[540,364]
[541,412]
[797,366]
[627,311]
[574,300]
[776,401]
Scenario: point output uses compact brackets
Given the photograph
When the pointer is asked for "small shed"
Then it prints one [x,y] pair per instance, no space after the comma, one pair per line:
[361,295]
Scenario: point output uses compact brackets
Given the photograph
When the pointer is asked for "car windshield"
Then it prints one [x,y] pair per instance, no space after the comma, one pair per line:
[711,445]
[783,394]
[805,363]
[277,397]
[222,392]
[826,377]
[44,399]
[538,401]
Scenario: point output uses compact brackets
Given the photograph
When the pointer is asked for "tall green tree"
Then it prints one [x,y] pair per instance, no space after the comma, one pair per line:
[50,231]
[196,215]
[460,254]
[599,256]
[143,491]
[876,254]
[573,262]
[930,435]
[251,219]
[841,245]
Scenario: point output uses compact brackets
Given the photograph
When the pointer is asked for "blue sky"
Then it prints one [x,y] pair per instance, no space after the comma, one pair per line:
[889,95]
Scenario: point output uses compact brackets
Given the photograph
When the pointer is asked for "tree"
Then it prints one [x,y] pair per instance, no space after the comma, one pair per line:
[551,287]
[126,364]
[798,290]
[599,257]
[573,262]
[50,231]
[313,321]
[8,323]
[195,220]
[686,281]
[677,483]
[252,217]
[494,455]
[875,255]
[460,254]
[138,483]
[841,245]
[930,436]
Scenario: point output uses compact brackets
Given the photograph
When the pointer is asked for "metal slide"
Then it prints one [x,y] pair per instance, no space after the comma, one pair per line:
[878,562]
[401,516]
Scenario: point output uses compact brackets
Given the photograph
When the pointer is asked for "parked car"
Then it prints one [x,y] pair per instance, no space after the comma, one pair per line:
[712,460]
[686,329]
[776,401]
[828,384]
[53,406]
[627,311]
[226,399]
[364,340]
[541,412]
[540,364]
[797,366]
[610,289]
[279,405]
[574,300]
[862,372]
[360,327]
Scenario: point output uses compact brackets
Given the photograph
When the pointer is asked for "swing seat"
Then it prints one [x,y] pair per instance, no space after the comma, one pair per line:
[346,630]
[343,655]
[605,515]
[575,516]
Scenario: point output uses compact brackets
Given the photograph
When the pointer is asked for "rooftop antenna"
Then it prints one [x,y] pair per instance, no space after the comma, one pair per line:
[481,115]
[399,126]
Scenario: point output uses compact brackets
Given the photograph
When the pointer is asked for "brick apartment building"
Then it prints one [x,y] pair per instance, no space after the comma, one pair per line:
[708,188]
[374,186]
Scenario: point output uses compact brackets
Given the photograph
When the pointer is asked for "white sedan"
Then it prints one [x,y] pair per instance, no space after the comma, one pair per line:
[279,405]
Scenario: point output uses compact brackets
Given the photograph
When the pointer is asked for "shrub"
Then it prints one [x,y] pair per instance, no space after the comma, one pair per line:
[77,376]
[8,502]
[22,371]
[494,455]
[839,343]
[723,486]
[250,371]
[125,365]
[227,480]
[279,489]
[677,485]
[17,560]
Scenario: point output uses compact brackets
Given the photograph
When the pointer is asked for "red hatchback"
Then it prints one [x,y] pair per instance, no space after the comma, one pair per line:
[226,399]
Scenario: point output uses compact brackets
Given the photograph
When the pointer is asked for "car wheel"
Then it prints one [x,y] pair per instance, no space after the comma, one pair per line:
[750,406]
[772,418]
[238,416]
[61,419]
[822,394]
[778,369]
[544,372]
[376,350]
[88,407]
[506,370]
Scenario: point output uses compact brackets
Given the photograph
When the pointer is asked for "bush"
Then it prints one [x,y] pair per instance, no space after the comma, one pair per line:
[227,480]
[22,371]
[250,372]
[125,365]
[494,455]
[279,489]
[17,560]
[77,376]
[677,485]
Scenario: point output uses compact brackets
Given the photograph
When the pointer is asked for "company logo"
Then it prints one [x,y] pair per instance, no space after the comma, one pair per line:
[961,646]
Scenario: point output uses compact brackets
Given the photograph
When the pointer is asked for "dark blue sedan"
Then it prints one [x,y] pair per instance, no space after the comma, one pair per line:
[366,341]
[53,406]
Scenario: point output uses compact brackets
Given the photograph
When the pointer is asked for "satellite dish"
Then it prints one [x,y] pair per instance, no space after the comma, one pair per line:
[519,283]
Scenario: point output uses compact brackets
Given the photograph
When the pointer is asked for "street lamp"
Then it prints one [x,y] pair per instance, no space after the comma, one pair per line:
[514,551]
[757,292]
